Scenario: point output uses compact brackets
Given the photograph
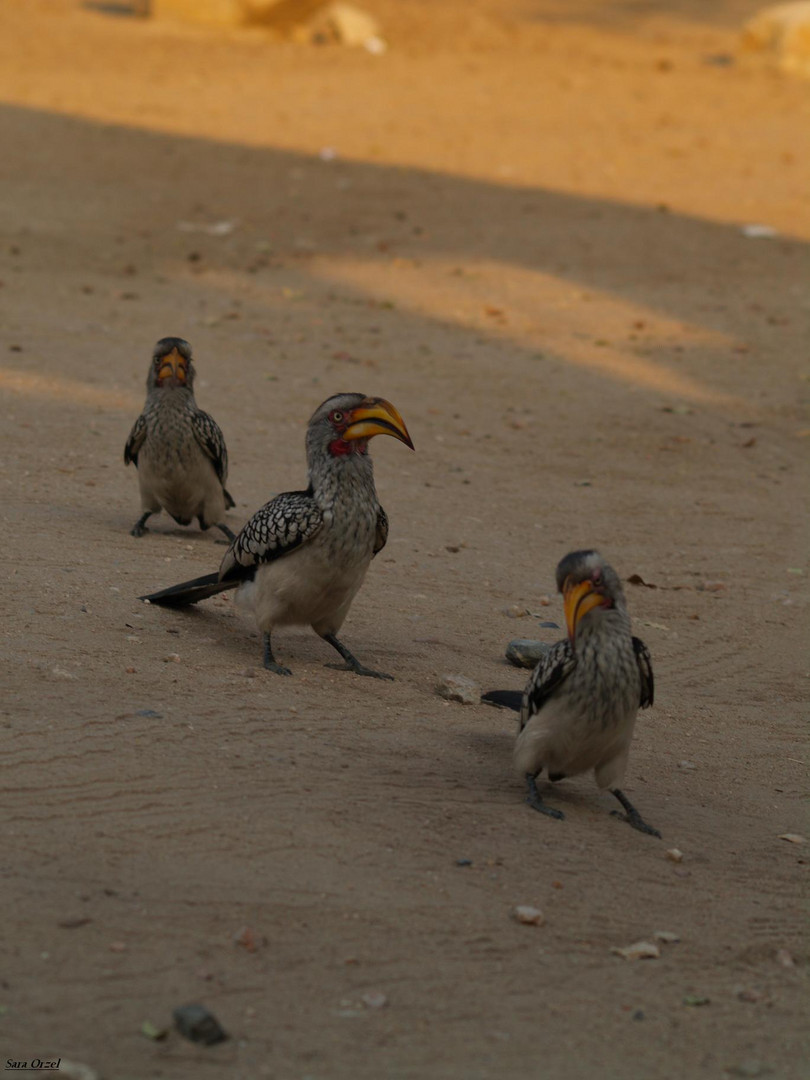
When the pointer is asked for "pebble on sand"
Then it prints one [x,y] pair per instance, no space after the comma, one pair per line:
[459,688]
[529,916]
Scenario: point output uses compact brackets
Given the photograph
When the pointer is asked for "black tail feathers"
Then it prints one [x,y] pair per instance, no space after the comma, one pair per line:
[190,592]
[504,699]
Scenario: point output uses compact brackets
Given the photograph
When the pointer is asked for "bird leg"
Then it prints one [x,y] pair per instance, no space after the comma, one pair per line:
[352,663]
[632,816]
[534,800]
[139,528]
[270,660]
[227,532]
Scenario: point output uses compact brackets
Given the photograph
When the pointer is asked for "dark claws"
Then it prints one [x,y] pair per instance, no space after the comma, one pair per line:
[360,670]
[536,803]
[278,669]
[636,822]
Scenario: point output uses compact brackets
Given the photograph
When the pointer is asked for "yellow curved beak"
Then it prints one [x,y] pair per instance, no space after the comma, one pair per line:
[376,416]
[173,366]
[578,600]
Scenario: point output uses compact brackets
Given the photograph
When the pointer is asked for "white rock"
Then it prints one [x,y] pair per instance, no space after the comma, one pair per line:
[75,1070]
[666,937]
[674,855]
[529,916]
[459,688]
[784,958]
[792,838]
[347,24]
[782,32]
[375,1000]
[639,950]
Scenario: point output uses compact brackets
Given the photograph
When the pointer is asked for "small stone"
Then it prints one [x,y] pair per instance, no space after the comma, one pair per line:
[196,1023]
[525,653]
[688,766]
[516,611]
[117,946]
[249,673]
[76,1070]
[343,23]
[152,1031]
[750,1068]
[785,958]
[172,658]
[375,1000]
[694,1001]
[463,862]
[666,937]
[639,950]
[674,855]
[748,993]
[782,34]
[459,688]
[792,838]
[529,916]
[246,938]
[61,673]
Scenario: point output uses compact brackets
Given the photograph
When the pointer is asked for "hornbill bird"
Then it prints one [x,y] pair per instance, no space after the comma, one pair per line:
[177,448]
[301,559]
[580,703]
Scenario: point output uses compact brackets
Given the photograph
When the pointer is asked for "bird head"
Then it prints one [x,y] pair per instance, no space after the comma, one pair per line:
[171,364]
[344,423]
[589,587]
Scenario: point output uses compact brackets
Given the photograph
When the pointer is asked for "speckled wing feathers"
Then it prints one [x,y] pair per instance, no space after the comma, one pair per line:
[645,671]
[281,526]
[381,537]
[135,440]
[549,674]
[207,433]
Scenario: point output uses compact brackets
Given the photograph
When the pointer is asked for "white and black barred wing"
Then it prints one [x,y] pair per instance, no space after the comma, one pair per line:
[550,673]
[645,671]
[281,526]
[208,435]
[381,535]
[135,440]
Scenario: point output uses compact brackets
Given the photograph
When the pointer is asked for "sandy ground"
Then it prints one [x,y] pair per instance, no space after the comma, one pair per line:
[529,239]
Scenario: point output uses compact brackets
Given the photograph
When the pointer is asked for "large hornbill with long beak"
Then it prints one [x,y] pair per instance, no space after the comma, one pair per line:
[579,706]
[177,448]
[301,559]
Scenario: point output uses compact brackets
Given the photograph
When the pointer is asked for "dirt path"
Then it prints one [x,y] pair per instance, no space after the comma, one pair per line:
[529,239]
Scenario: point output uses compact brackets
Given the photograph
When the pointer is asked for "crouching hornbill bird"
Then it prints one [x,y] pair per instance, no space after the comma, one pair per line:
[580,703]
[177,448]
[301,559]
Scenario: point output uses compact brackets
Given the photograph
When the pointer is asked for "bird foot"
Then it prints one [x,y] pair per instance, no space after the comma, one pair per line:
[138,530]
[549,811]
[536,803]
[358,669]
[636,821]
[278,669]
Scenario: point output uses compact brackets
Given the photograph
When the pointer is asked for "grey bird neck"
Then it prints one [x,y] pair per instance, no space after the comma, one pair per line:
[343,479]
[603,624]
[170,397]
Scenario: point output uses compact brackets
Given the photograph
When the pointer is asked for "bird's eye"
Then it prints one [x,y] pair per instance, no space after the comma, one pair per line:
[336,417]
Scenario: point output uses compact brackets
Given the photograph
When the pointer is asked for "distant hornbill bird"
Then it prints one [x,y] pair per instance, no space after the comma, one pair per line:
[301,559]
[177,448]
[579,706]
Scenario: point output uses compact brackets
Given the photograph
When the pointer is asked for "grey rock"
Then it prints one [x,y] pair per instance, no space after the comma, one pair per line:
[459,688]
[522,652]
[198,1025]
